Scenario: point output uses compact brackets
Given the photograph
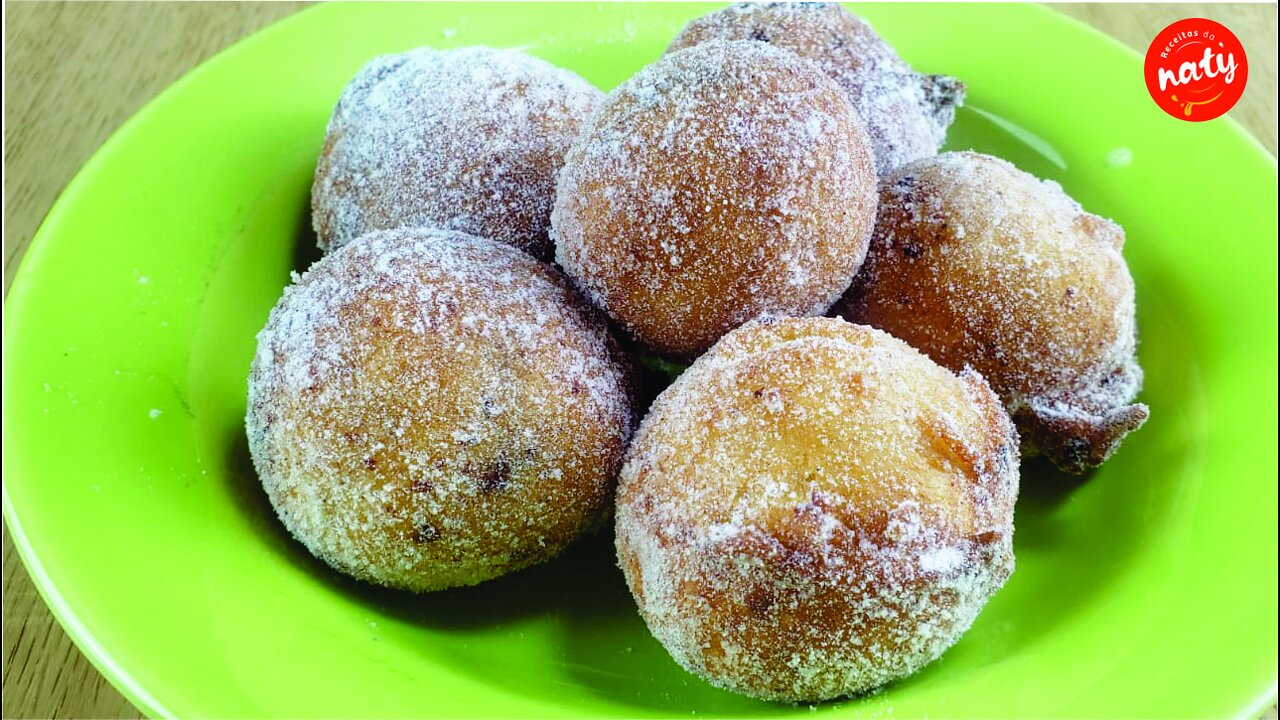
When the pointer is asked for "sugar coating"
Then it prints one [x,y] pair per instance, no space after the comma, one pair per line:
[977,263]
[719,183]
[468,139]
[906,114]
[814,509]
[430,409]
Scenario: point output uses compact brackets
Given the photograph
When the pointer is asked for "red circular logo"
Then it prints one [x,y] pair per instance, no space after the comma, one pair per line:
[1196,69]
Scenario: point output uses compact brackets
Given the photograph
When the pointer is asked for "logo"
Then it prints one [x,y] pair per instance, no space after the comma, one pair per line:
[1196,69]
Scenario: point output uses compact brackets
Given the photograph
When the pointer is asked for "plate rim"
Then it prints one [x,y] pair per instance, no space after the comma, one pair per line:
[15,300]
[102,659]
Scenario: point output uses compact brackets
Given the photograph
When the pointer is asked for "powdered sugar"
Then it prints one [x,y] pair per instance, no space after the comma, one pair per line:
[721,182]
[833,547]
[429,409]
[906,114]
[977,263]
[468,139]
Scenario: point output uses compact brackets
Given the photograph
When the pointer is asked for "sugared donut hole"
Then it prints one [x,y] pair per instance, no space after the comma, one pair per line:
[979,264]
[719,183]
[429,409]
[814,509]
[468,139]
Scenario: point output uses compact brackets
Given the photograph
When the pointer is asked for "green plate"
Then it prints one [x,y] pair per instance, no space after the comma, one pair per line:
[1148,589]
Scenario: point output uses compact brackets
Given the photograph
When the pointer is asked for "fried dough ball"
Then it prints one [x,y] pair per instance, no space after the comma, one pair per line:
[977,263]
[719,183]
[906,114]
[430,409]
[815,508]
[468,139]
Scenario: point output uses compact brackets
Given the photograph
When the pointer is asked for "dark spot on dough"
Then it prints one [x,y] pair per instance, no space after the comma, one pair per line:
[425,533]
[496,477]
[759,601]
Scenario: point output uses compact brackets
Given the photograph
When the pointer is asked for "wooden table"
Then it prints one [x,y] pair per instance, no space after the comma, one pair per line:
[76,71]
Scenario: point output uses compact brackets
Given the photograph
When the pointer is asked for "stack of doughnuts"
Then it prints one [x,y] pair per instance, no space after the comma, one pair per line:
[822,502]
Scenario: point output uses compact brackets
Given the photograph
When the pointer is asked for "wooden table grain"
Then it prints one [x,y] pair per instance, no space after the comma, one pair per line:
[75,71]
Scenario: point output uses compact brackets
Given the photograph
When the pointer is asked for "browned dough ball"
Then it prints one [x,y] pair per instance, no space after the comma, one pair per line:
[719,183]
[468,139]
[815,508]
[977,263]
[430,409]
[906,114]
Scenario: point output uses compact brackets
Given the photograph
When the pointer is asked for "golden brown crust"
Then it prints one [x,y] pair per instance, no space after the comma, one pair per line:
[977,263]
[722,182]
[814,509]
[430,409]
